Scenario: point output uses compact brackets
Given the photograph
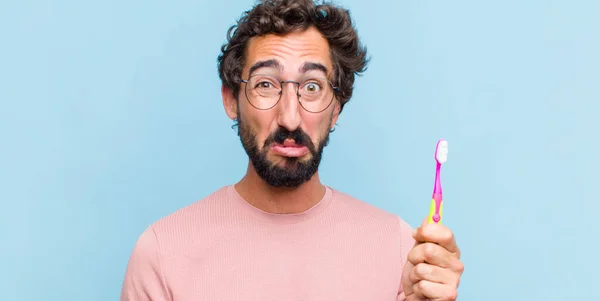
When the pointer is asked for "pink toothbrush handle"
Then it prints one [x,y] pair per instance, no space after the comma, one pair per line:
[435,209]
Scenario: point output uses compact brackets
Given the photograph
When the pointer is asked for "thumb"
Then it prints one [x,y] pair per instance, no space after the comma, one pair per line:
[423,223]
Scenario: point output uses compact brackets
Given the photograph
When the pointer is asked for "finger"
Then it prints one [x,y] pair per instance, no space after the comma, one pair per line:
[414,231]
[435,255]
[432,273]
[434,291]
[438,234]
[416,298]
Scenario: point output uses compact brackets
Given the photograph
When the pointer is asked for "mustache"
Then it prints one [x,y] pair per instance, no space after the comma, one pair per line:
[298,135]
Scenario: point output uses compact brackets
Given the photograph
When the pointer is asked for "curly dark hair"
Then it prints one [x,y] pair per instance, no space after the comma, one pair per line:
[348,56]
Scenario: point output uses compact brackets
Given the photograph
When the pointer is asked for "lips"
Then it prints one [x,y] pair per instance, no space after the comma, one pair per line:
[289,148]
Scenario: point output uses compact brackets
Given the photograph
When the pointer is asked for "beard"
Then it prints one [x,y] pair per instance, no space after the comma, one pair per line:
[294,171]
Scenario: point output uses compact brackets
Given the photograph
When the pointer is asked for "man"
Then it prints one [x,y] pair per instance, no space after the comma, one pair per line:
[280,234]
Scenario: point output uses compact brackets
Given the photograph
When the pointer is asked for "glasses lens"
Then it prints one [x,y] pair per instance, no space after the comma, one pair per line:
[315,94]
[262,91]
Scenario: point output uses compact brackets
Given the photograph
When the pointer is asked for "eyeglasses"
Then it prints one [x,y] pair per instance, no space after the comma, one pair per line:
[264,92]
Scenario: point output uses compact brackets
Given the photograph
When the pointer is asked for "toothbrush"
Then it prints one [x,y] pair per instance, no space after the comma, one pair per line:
[435,209]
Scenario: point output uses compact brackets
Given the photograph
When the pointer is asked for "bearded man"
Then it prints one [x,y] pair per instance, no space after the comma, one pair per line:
[279,233]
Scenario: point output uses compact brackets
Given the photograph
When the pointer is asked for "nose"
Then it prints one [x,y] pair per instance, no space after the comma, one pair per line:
[288,109]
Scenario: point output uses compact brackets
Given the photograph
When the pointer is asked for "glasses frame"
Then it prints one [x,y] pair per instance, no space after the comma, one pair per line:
[245,81]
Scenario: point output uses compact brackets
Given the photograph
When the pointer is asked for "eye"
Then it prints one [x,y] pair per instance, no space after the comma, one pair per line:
[312,87]
[264,85]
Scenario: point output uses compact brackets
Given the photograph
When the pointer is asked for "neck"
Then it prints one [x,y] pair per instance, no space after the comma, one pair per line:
[279,200]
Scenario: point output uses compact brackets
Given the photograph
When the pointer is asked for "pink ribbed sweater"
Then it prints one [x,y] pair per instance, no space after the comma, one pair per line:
[223,249]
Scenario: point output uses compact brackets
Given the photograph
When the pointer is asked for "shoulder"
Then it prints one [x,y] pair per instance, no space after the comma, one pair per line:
[364,210]
[198,209]
[192,223]
[364,214]
[374,222]
[171,235]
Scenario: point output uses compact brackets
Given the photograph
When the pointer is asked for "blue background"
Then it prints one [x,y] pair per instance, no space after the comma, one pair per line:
[111,118]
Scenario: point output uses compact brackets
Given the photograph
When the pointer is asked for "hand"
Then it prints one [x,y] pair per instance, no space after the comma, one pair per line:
[433,269]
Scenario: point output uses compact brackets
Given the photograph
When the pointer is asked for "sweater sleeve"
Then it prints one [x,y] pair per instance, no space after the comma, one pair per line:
[406,244]
[144,278]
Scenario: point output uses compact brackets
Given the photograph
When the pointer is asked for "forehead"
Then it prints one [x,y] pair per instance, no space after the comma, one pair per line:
[289,54]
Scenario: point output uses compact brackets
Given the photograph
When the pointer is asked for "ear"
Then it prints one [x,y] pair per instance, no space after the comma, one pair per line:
[335,114]
[229,102]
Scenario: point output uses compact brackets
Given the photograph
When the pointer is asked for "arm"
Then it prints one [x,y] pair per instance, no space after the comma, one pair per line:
[406,243]
[144,278]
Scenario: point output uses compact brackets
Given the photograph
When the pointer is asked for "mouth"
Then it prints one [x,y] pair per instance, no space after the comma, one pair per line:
[289,148]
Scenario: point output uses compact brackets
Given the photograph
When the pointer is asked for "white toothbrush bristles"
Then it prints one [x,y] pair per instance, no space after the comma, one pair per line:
[441,153]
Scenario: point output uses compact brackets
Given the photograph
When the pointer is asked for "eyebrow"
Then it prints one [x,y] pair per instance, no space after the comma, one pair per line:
[264,64]
[309,66]
[313,66]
